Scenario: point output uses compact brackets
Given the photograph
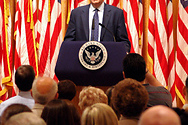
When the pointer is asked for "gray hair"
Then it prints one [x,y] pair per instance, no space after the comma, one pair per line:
[44,98]
[25,118]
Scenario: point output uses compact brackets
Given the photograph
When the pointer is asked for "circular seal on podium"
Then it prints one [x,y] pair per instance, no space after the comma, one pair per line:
[93,55]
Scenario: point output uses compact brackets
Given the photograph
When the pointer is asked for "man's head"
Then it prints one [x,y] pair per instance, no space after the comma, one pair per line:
[134,67]
[185,90]
[24,77]
[159,115]
[66,89]
[44,89]
[25,118]
[96,3]
[129,98]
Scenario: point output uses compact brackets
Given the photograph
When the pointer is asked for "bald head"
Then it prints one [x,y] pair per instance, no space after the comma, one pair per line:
[159,115]
[44,89]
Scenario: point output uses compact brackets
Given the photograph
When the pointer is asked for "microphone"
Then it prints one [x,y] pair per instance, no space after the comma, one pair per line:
[103,26]
[93,24]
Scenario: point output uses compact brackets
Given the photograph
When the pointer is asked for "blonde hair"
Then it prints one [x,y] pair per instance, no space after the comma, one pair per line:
[99,114]
[91,95]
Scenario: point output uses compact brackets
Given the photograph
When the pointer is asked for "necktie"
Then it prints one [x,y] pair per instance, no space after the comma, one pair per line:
[95,26]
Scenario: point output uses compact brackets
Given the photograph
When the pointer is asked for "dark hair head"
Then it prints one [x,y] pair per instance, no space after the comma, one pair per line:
[24,77]
[57,112]
[186,82]
[109,95]
[66,89]
[134,67]
[74,111]
[130,98]
[13,110]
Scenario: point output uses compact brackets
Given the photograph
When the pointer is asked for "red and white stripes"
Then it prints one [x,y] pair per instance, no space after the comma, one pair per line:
[25,46]
[182,48]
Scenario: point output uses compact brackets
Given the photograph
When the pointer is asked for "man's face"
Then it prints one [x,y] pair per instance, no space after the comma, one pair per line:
[96,3]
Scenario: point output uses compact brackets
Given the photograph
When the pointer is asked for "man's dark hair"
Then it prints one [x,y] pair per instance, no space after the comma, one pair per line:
[24,77]
[66,89]
[186,84]
[134,67]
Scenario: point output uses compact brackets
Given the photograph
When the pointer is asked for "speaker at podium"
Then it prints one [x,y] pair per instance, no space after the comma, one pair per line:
[91,63]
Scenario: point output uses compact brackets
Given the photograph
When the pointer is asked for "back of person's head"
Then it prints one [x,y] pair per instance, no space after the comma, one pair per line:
[186,84]
[134,67]
[91,95]
[99,114]
[130,98]
[66,89]
[25,118]
[13,110]
[24,77]
[44,89]
[109,95]
[57,112]
[159,115]
[185,90]
[74,111]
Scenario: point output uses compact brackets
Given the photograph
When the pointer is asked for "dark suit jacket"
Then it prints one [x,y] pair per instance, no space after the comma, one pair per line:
[113,19]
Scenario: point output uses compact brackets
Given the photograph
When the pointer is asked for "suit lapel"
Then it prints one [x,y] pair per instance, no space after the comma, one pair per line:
[106,17]
[85,21]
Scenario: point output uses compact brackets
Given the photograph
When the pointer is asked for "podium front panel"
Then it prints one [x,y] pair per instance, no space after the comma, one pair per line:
[69,67]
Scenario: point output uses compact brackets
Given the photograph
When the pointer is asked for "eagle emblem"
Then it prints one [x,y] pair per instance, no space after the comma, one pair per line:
[92,56]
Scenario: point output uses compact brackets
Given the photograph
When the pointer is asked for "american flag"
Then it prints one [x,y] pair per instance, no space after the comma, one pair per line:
[55,34]
[43,37]
[157,40]
[171,53]
[25,46]
[140,27]
[49,36]
[151,34]
[115,3]
[182,49]
[5,50]
[132,9]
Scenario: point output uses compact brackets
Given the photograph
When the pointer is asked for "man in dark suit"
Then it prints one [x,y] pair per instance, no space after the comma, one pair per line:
[80,25]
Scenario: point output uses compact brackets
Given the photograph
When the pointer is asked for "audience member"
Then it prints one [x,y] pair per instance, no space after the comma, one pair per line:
[44,89]
[13,110]
[159,115]
[25,118]
[185,92]
[109,95]
[24,77]
[130,98]
[66,89]
[134,67]
[183,113]
[99,114]
[57,112]
[74,111]
[91,95]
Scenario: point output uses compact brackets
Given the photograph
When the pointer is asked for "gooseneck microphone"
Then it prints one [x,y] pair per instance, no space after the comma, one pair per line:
[108,30]
[93,24]
[92,29]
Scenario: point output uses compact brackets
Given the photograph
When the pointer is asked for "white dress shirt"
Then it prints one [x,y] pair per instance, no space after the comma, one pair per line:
[24,98]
